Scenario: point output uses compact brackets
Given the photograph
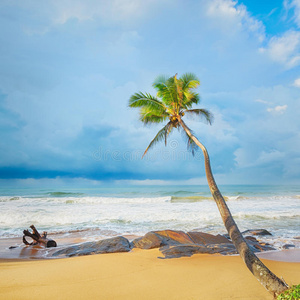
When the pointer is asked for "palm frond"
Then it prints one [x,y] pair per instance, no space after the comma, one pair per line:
[160,80]
[191,146]
[165,90]
[175,97]
[190,81]
[200,113]
[190,98]
[161,85]
[160,136]
[175,90]
[148,115]
[179,92]
[168,131]
[146,100]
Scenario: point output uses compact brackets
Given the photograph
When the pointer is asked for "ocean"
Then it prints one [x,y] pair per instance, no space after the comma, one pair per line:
[101,212]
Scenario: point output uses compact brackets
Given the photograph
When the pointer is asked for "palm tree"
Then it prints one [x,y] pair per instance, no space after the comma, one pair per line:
[175,98]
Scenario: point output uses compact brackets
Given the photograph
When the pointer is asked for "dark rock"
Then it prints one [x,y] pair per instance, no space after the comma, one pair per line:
[288,246]
[171,243]
[226,235]
[223,249]
[69,251]
[267,247]
[265,244]
[256,246]
[184,250]
[148,241]
[116,244]
[251,238]
[156,239]
[297,237]
[189,250]
[177,243]
[257,232]
[205,238]
[174,237]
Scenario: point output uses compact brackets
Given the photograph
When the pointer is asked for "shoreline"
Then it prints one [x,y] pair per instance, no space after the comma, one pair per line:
[285,256]
[13,249]
[20,251]
[138,274]
[29,272]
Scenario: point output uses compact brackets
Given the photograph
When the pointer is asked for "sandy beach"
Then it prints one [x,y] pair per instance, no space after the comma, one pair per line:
[89,215]
[139,274]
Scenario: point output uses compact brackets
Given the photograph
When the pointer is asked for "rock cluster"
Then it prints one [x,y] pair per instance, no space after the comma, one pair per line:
[171,243]
[116,244]
[177,243]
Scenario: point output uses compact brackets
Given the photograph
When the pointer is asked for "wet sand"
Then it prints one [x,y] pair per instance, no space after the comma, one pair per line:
[290,255]
[14,249]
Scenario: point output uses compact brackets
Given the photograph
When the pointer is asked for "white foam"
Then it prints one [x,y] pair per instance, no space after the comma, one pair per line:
[142,214]
[86,200]
[234,198]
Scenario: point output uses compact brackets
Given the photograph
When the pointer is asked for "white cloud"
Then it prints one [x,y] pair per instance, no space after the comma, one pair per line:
[262,101]
[297,83]
[52,14]
[295,4]
[271,156]
[221,129]
[228,14]
[279,109]
[245,158]
[109,11]
[223,8]
[81,75]
[284,49]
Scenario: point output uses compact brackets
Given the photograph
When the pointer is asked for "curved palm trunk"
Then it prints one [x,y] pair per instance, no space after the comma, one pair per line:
[269,280]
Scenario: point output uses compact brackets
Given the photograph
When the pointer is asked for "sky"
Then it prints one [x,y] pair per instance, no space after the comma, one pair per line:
[68,69]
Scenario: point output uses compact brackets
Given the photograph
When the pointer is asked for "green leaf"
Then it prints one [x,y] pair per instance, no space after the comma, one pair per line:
[190,81]
[148,115]
[160,136]
[191,145]
[190,98]
[166,90]
[145,100]
[203,114]
[292,293]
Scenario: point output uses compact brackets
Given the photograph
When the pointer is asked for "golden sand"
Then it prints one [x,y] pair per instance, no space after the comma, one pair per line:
[139,274]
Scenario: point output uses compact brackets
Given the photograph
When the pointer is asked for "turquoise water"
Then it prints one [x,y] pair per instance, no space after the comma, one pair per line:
[120,191]
[118,210]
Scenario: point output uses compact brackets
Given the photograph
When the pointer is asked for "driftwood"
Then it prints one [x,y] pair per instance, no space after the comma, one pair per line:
[37,238]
